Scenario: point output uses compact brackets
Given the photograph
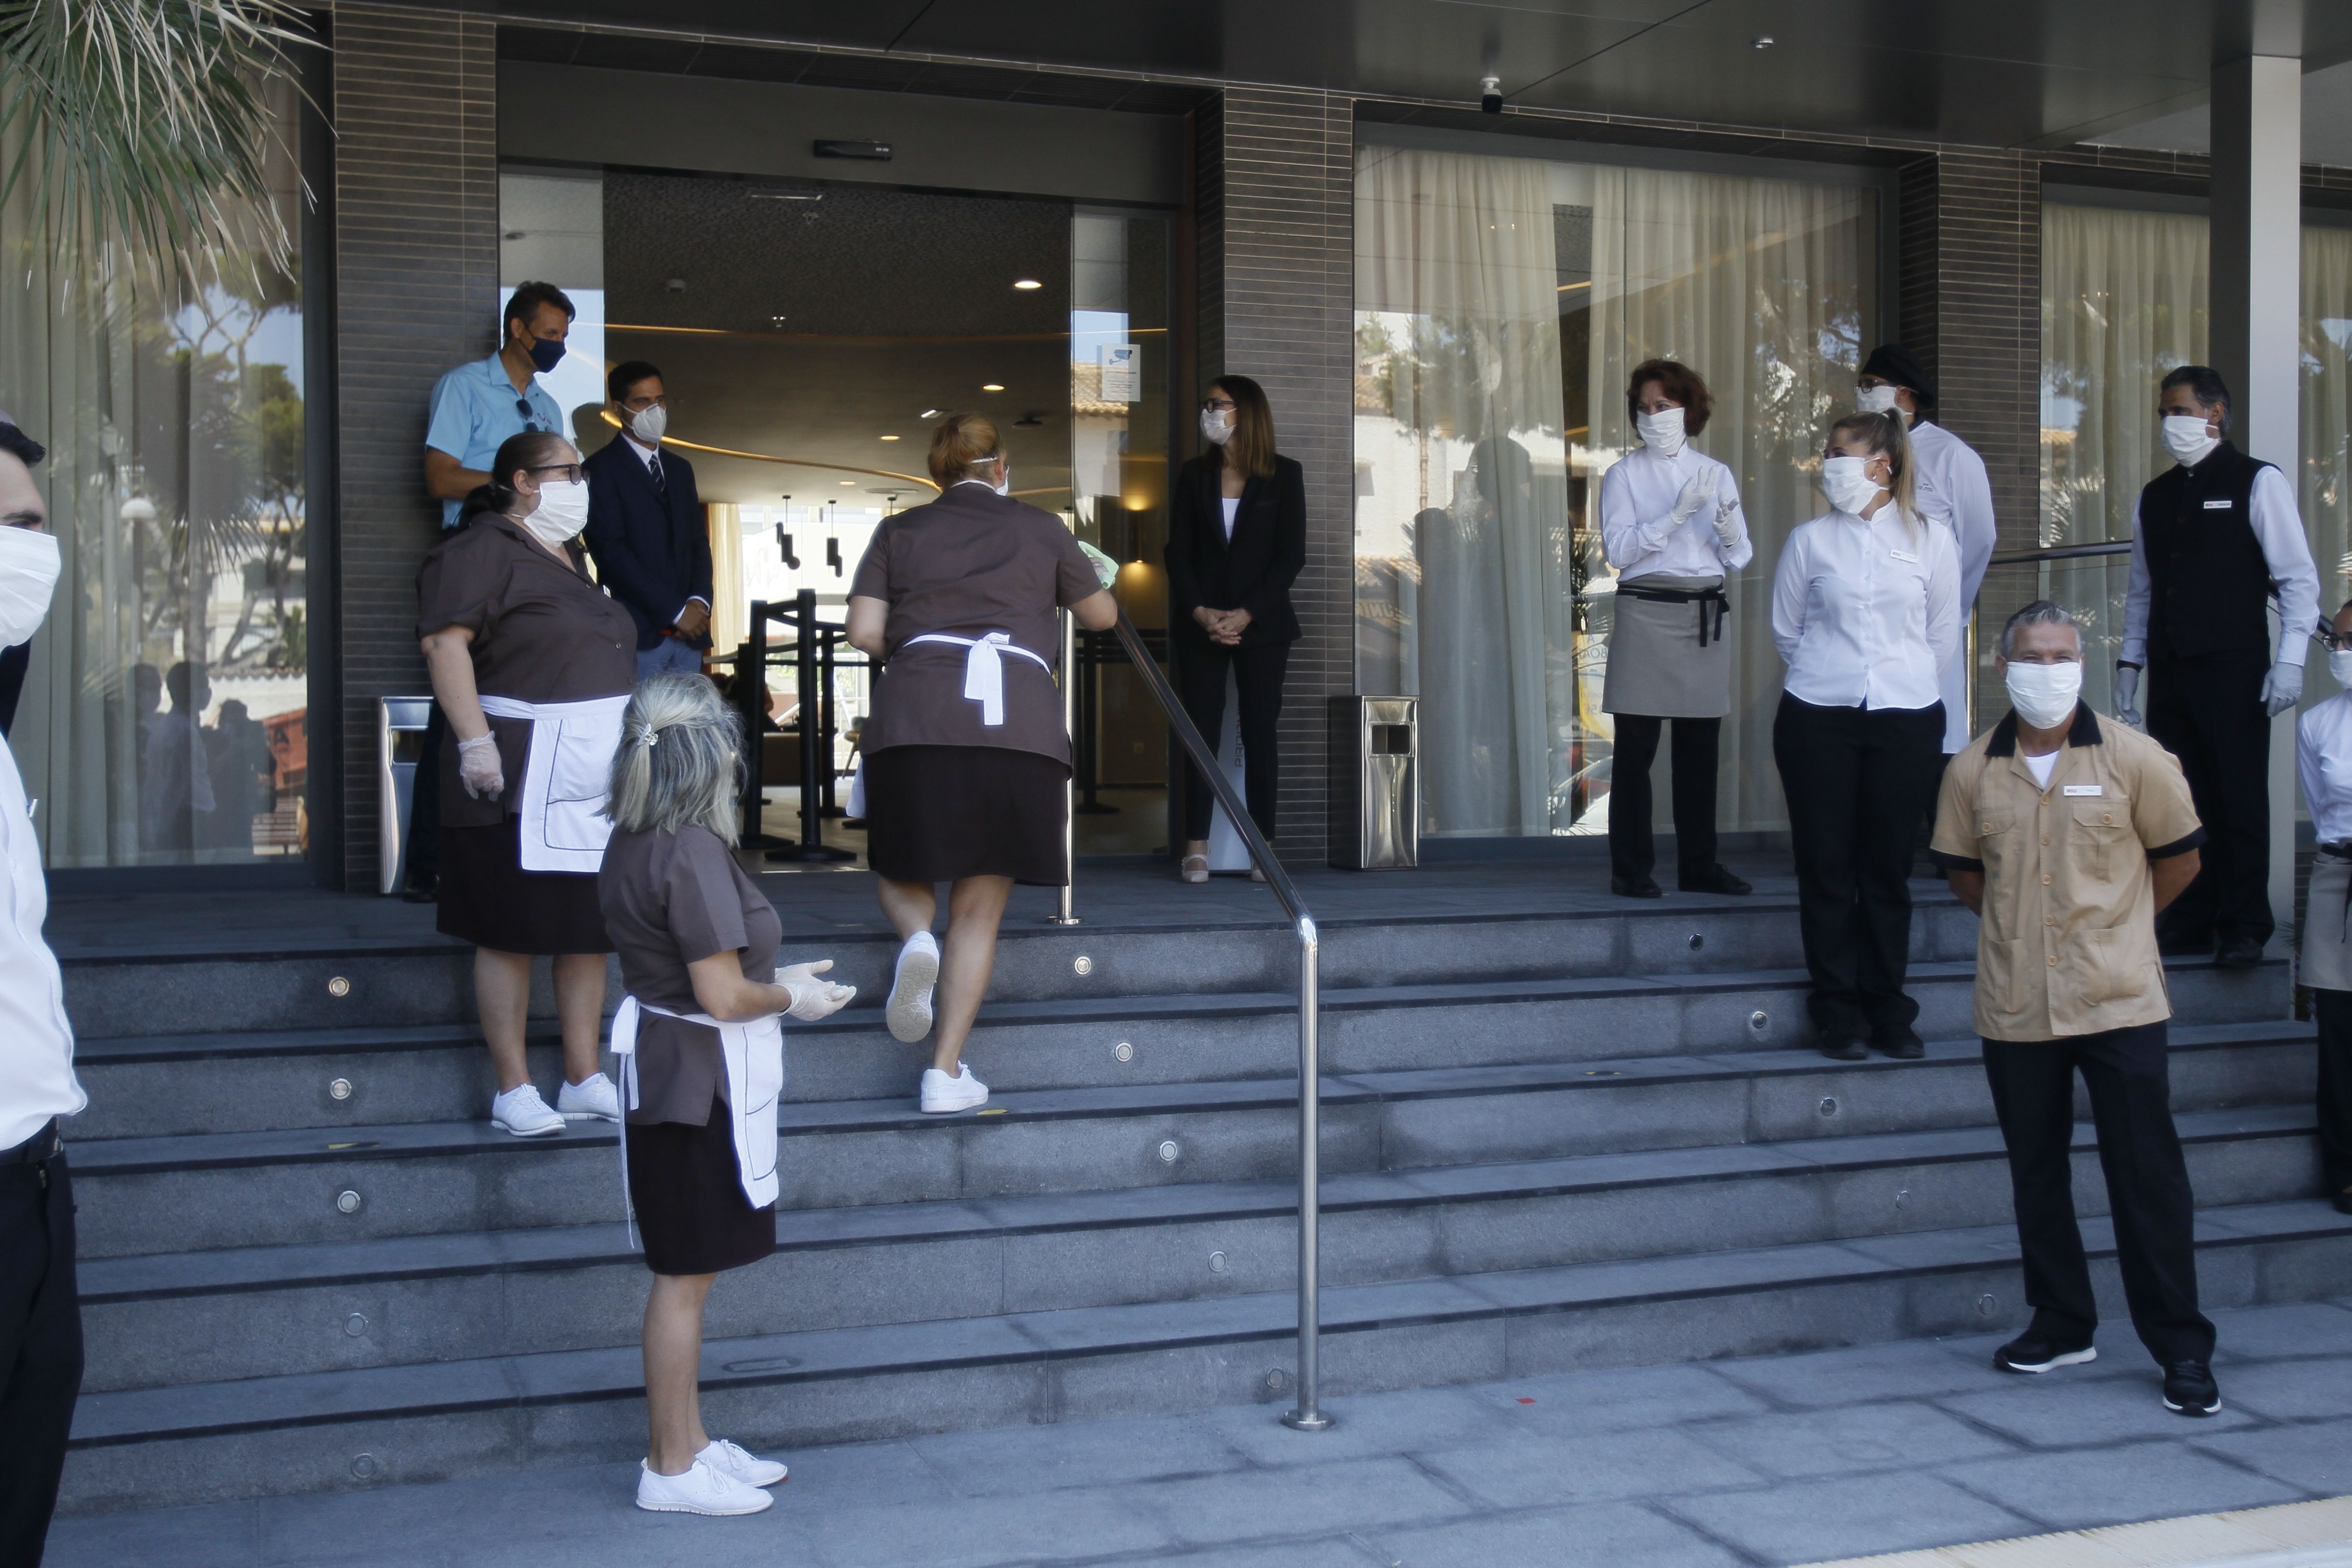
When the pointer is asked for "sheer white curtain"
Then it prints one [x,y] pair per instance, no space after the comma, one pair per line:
[1762,287]
[1457,298]
[2324,485]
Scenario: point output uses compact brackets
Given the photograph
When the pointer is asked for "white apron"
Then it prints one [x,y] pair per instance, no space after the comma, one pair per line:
[2324,962]
[753,1050]
[566,778]
[983,668]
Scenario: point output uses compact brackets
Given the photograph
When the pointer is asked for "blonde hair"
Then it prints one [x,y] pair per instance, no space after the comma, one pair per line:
[681,759]
[957,442]
[1884,436]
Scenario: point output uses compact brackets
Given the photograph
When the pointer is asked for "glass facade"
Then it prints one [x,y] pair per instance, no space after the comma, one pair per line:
[164,715]
[1501,303]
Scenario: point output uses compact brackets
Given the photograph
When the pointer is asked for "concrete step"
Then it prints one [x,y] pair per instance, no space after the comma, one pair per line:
[308,1432]
[242,1189]
[239,1080]
[218,1315]
[232,984]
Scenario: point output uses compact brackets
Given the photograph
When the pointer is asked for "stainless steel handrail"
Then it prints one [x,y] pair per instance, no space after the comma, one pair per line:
[2063,552]
[1308,1416]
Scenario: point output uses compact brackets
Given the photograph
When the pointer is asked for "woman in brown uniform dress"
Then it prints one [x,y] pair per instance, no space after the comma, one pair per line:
[698,943]
[966,755]
[531,662]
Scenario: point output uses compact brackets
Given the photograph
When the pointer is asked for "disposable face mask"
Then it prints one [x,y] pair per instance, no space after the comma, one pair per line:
[28,572]
[1847,484]
[1661,432]
[2044,694]
[546,354]
[2339,668]
[1215,426]
[563,512]
[2185,438]
[648,424]
[1876,400]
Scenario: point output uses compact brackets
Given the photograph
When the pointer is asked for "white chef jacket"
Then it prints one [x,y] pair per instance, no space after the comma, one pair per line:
[1954,489]
[1866,613]
[2278,528]
[1638,531]
[37,1076]
[2322,760]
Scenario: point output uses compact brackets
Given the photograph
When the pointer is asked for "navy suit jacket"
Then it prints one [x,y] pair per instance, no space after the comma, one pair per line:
[653,554]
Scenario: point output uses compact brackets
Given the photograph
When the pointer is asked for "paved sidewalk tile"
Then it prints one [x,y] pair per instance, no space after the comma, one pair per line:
[1808,1521]
[2316,1457]
[1857,1437]
[1906,1369]
[2054,1411]
[1570,1405]
[1364,1425]
[1329,1551]
[1256,1505]
[1092,1453]
[2291,1390]
[1607,1535]
[1534,1472]
[2117,1486]
[2296,1328]
[941,1531]
[209,1535]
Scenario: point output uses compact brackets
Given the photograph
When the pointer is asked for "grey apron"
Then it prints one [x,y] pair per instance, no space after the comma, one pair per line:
[2325,961]
[1659,666]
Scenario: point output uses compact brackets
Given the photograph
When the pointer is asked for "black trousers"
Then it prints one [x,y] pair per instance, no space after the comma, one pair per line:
[2334,1096]
[1631,852]
[1856,780]
[2147,1184]
[1258,672]
[40,1350]
[2209,713]
[425,804]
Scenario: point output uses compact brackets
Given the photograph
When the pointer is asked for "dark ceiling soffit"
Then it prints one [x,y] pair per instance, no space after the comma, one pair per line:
[1673,136]
[2181,174]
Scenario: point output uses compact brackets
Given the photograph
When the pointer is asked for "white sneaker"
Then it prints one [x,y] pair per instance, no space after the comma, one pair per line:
[909,1010]
[962,1093]
[591,1095]
[520,1112]
[700,1490]
[730,1460]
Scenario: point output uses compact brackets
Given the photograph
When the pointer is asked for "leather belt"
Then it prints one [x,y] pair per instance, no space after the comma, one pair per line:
[41,1146]
[1701,598]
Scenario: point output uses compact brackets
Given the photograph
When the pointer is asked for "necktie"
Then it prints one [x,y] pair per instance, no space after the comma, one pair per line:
[653,466]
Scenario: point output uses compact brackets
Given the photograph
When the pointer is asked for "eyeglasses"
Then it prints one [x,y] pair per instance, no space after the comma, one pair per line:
[570,472]
[2331,642]
[1222,405]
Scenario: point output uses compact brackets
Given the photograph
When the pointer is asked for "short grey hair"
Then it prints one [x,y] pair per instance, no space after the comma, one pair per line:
[2041,613]
[681,759]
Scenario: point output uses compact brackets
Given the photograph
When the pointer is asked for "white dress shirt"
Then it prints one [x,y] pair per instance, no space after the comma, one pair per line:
[1953,488]
[2278,528]
[1638,531]
[37,1076]
[646,455]
[2322,760]
[1864,613]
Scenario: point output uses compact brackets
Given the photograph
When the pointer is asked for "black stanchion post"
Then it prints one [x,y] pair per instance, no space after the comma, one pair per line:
[1088,740]
[751,690]
[812,846]
[827,679]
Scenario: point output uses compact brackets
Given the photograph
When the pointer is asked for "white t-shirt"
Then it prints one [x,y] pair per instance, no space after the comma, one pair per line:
[1233,509]
[2043,766]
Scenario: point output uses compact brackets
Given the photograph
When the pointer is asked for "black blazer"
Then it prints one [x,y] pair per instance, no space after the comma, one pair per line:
[654,555]
[1254,571]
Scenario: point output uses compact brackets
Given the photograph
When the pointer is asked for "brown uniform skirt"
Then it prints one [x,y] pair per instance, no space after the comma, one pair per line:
[488,898]
[687,1193]
[937,813]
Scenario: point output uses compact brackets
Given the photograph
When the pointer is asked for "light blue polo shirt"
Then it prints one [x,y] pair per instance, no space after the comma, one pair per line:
[472,412]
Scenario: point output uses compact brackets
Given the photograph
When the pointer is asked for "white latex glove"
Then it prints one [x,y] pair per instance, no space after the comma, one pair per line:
[1697,490]
[2282,687]
[478,767]
[814,999]
[2127,695]
[1727,532]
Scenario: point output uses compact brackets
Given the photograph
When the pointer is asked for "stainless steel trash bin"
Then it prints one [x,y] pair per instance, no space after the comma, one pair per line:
[399,737]
[1375,821]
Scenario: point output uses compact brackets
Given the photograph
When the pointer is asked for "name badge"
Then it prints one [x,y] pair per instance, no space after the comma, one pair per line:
[2219,505]
[1905,555]
[2086,789]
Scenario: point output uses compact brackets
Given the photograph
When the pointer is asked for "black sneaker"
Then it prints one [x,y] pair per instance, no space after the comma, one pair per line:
[1718,881]
[1902,1043]
[2189,1389]
[1844,1047]
[1636,888]
[2031,1351]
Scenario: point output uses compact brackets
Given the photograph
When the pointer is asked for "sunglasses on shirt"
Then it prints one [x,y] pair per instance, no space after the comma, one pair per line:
[531,417]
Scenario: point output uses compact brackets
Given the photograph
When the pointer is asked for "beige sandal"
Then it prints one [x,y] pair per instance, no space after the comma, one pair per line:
[1193,868]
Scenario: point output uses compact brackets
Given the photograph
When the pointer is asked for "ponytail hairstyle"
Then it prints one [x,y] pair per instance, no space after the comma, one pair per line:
[681,759]
[530,449]
[1884,435]
[1249,451]
[959,442]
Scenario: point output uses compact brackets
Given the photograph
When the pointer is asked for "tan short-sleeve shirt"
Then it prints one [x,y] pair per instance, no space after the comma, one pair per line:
[2067,945]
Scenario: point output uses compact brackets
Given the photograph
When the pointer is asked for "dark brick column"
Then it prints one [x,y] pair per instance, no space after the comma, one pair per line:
[1276,202]
[416,259]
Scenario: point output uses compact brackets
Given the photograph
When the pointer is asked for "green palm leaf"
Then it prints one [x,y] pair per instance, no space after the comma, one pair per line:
[142,122]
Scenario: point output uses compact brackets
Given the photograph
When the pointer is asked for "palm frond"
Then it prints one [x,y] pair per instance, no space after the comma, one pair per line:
[142,123]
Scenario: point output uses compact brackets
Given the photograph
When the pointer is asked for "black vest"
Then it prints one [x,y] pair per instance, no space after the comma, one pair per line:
[2208,581]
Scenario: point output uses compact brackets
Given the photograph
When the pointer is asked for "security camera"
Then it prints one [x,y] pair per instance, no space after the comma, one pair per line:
[1490,90]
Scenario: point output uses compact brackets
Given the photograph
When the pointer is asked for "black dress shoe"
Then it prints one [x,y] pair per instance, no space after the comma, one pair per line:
[2189,1389]
[1636,888]
[2238,952]
[422,892]
[1718,881]
[2033,1350]
[1902,1043]
[1843,1049]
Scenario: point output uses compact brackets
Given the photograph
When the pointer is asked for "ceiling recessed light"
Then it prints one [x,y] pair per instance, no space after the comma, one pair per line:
[846,482]
[889,437]
[1028,283]
[993,386]
[929,414]
[1764,42]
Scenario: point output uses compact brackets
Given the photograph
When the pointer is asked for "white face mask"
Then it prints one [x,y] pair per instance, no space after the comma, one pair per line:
[649,422]
[2044,694]
[563,512]
[2185,438]
[2339,668]
[1877,400]
[1216,425]
[1003,485]
[1661,432]
[29,563]
[1847,483]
